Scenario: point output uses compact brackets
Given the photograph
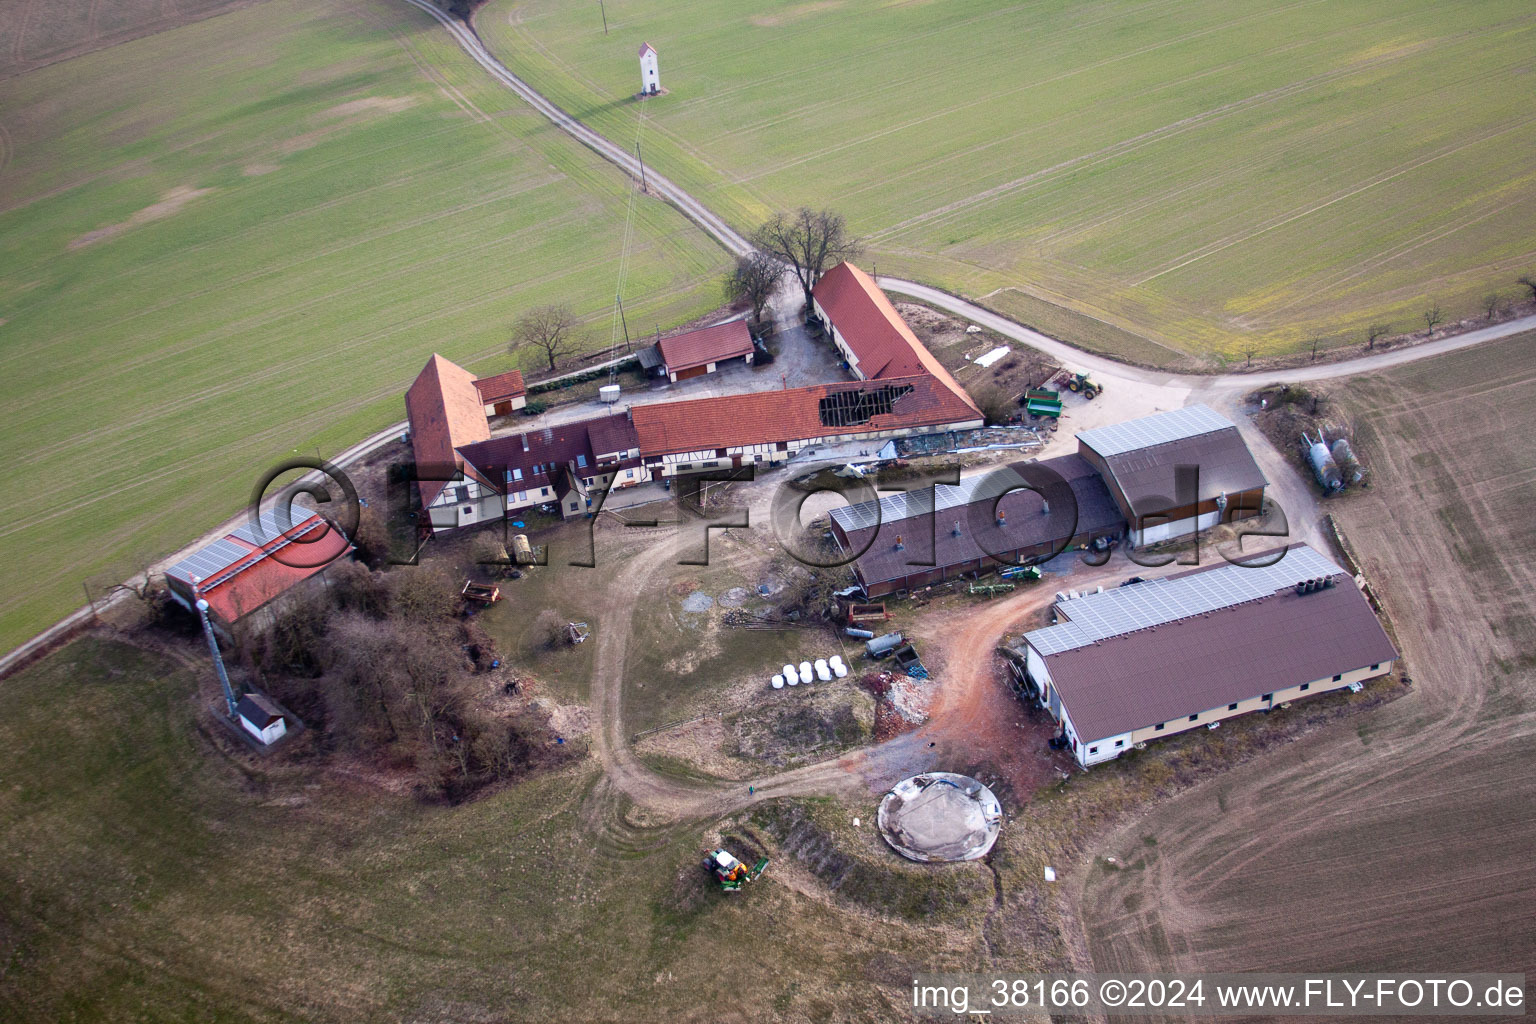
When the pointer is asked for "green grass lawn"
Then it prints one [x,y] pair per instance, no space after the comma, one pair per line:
[245,236]
[1179,180]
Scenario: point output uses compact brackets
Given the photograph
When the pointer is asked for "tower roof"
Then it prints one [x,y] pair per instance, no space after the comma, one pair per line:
[646,48]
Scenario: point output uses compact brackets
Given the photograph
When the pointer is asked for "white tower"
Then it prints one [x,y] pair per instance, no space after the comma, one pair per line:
[650,73]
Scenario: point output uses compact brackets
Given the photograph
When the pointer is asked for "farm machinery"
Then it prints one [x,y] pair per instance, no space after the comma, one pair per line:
[1084,385]
[731,873]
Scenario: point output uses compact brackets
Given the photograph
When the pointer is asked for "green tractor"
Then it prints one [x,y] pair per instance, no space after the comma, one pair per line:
[1084,385]
[731,873]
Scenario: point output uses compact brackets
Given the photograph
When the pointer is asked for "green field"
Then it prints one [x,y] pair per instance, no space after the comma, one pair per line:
[243,237]
[1212,176]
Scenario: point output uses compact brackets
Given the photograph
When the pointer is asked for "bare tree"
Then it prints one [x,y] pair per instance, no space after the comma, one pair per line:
[1530,282]
[754,279]
[809,242]
[1491,303]
[1316,338]
[550,329]
[1375,333]
[1433,317]
[549,629]
[1249,353]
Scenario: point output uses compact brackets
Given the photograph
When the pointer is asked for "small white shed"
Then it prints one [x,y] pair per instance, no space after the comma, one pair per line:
[261,718]
[650,71]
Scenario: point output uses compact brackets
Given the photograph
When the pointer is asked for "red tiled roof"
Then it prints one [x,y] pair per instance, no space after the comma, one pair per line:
[538,454]
[708,345]
[501,387]
[269,577]
[881,340]
[767,417]
[445,412]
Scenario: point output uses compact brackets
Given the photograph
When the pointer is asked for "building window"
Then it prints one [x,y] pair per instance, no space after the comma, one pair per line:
[1335,678]
[1093,750]
[517,474]
[1159,727]
[469,509]
[1267,696]
[1231,707]
[581,461]
[685,465]
[1376,666]
[1119,743]
[1305,687]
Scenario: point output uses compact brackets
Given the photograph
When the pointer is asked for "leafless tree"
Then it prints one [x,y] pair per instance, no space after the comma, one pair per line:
[1491,303]
[809,242]
[1530,282]
[1249,353]
[1316,338]
[754,279]
[1433,317]
[550,329]
[1375,333]
[549,629]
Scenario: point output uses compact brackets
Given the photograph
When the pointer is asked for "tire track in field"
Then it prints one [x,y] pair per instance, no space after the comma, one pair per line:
[1298,213]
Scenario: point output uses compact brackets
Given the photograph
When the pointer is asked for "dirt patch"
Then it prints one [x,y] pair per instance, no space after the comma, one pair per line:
[257,170]
[344,115]
[170,203]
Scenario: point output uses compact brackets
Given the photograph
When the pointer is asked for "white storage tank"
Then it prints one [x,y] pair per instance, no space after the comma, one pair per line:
[805,671]
[608,393]
[822,671]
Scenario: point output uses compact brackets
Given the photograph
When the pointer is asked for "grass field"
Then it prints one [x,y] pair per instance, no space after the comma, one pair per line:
[1207,177]
[1400,840]
[143,876]
[34,33]
[243,237]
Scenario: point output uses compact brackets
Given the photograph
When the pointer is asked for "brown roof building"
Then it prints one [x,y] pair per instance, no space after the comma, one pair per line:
[503,393]
[445,412]
[699,352]
[915,538]
[1155,658]
[1174,472]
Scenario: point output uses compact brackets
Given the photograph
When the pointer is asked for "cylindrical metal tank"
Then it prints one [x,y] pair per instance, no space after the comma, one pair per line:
[1349,466]
[882,644]
[522,551]
[861,634]
[1323,466]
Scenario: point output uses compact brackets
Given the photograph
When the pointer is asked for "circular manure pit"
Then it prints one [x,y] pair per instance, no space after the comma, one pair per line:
[940,816]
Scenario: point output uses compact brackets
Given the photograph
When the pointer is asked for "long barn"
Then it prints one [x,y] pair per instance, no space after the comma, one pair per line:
[1163,656]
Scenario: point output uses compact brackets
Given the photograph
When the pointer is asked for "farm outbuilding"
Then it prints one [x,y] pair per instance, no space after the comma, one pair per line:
[704,351]
[502,394]
[1175,472]
[248,570]
[915,538]
[1163,656]
[261,718]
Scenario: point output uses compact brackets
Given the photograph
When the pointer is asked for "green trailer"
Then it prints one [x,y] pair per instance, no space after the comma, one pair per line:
[1039,402]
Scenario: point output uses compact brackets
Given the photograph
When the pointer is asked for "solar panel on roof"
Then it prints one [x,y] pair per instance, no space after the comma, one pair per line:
[205,562]
[1159,428]
[1095,617]
[272,524]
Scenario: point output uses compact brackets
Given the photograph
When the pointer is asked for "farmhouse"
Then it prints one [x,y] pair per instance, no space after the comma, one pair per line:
[246,571]
[1176,472]
[914,538]
[1156,658]
[570,464]
[261,718]
[465,476]
[703,351]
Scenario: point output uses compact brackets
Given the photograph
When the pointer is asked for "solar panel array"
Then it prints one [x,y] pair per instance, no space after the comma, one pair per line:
[1095,617]
[1159,428]
[272,524]
[937,498]
[209,562]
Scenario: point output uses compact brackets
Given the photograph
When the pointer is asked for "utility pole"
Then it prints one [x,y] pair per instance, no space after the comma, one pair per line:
[641,159]
[213,647]
[620,300]
[605,16]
